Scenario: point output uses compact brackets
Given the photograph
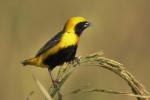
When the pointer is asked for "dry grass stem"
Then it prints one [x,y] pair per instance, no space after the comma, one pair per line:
[41,87]
[97,60]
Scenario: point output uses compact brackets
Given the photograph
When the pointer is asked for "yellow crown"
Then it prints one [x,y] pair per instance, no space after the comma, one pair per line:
[72,22]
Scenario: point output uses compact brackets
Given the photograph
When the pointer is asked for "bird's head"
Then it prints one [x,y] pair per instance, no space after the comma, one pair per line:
[76,24]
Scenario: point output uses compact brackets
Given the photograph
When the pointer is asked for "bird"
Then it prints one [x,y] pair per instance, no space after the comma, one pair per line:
[62,47]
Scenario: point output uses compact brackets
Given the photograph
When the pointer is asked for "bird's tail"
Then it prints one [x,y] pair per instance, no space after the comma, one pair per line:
[32,61]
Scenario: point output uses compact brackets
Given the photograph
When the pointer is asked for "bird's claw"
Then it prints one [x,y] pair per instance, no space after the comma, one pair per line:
[75,60]
[55,83]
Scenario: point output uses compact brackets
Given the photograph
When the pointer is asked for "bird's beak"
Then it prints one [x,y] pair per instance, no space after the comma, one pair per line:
[87,24]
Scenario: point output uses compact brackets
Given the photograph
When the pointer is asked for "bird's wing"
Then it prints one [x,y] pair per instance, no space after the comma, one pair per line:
[51,43]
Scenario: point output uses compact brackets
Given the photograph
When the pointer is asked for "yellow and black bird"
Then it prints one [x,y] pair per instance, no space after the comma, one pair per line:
[62,47]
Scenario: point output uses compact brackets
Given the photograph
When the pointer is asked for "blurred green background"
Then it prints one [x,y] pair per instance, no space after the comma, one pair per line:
[121,28]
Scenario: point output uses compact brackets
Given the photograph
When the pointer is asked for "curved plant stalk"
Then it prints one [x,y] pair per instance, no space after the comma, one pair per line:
[97,60]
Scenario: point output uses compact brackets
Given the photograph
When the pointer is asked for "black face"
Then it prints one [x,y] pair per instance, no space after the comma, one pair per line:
[80,27]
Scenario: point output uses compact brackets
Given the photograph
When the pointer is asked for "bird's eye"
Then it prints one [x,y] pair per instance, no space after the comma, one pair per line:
[81,26]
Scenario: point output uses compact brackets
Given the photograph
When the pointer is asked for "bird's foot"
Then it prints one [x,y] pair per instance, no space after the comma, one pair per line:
[75,60]
[55,83]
